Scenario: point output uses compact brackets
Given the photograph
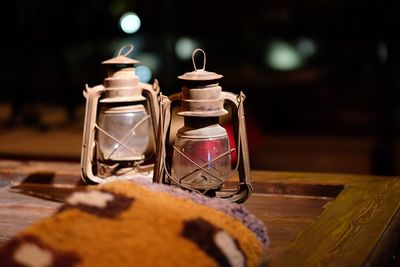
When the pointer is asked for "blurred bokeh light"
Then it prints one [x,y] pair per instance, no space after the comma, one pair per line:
[144,73]
[321,78]
[283,56]
[130,22]
[184,47]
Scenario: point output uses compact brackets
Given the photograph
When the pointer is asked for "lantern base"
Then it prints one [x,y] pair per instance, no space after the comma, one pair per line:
[123,169]
[201,183]
[209,191]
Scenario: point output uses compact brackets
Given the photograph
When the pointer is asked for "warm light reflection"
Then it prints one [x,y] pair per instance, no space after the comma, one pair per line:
[130,22]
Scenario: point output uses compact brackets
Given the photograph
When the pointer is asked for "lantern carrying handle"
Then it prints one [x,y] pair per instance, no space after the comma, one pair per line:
[204,61]
[127,46]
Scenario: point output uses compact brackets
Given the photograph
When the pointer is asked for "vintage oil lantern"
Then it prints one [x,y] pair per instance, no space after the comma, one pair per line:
[120,125]
[201,155]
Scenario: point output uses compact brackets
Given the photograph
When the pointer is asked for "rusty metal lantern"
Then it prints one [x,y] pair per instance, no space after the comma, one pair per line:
[201,156]
[121,119]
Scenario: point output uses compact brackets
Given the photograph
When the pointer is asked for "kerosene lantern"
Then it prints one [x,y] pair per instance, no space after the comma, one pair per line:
[201,156]
[121,119]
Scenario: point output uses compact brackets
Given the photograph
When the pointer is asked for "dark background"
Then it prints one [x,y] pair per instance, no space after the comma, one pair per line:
[347,91]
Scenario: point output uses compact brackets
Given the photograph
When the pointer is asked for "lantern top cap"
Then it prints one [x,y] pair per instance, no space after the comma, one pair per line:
[200,74]
[122,58]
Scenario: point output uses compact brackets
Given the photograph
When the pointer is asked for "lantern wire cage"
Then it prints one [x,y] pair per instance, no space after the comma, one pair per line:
[164,125]
[112,148]
[162,170]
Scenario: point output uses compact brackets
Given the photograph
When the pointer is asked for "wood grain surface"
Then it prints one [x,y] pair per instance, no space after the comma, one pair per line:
[349,228]
[312,219]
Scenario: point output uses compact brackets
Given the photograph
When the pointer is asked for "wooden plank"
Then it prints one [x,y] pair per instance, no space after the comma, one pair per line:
[387,250]
[318,190]
[19,170]
[313,178]
[266,205]
[347,231]
[73,168]
[28,167]
[285,216]
[18,211]
[282,231]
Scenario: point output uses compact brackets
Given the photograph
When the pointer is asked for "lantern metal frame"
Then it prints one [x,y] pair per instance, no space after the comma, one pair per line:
[162,173]
[94,95]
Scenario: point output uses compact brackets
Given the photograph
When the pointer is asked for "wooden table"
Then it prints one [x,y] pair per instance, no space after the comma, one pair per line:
[313,219]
